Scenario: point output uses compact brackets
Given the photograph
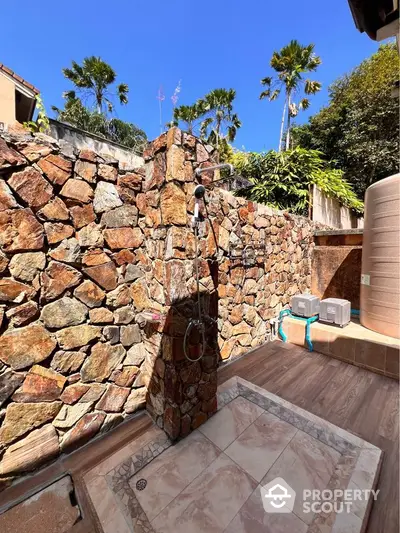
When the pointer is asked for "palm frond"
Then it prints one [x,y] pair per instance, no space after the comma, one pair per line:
[93,77]
[206,123]
[235,121]
[304,103]
[312,87]
[122,91]
[266,81]
[231,133]
[69,95]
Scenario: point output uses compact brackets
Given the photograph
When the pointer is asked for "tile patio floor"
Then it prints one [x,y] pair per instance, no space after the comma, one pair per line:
[210,481]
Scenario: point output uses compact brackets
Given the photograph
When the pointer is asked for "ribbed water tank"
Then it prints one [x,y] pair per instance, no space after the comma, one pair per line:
[380,278]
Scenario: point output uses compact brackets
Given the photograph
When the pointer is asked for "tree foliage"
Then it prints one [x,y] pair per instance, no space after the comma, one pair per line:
[190,116]
[41,124]
[283,179]
[220,120]
[88,111]
[215,116]
[93,80]
[114,129]
[291,63]
[359,130]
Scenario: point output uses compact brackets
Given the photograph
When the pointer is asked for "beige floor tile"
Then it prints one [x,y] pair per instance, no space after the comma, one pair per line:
[306,463]
[365,469]
[210,502]
[106,506]
[253,519]
[116,523]
[172,471]
[346,523]
[358,507]
[259,446]
[226,425]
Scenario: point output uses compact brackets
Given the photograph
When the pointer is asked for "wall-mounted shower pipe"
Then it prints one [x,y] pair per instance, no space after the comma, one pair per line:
[199,171]
[198,323]
[193,322]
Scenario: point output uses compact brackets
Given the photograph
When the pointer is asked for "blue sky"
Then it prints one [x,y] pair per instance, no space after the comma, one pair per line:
[205,44]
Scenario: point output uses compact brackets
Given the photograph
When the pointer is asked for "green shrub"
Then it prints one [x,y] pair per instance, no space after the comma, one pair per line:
[283,179]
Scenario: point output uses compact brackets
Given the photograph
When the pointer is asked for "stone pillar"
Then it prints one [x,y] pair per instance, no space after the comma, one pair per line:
[182,394]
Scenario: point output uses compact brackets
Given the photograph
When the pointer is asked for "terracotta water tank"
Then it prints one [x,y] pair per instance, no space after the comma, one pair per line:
[380,271]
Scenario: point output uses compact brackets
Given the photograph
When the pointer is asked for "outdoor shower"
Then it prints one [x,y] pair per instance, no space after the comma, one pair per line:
[199,194]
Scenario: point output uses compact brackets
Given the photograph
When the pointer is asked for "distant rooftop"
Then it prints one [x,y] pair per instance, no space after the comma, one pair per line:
[18,78]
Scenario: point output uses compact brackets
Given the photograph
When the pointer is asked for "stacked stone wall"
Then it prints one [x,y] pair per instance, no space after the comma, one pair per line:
[86,246]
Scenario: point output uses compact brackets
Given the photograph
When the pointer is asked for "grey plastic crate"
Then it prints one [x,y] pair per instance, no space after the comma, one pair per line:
[305,305]
[335,311]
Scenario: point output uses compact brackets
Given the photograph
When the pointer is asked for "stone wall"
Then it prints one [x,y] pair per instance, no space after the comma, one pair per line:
[88,244]
[252,259]
[73,273]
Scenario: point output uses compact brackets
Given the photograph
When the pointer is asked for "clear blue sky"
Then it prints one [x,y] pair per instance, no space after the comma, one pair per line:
[206,44]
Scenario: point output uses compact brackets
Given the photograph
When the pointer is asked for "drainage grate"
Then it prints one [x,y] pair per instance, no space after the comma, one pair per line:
[141,484]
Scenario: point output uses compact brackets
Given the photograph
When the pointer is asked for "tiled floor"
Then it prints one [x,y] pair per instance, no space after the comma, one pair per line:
[170,473]
[358,401]
[210,481]
[260,445]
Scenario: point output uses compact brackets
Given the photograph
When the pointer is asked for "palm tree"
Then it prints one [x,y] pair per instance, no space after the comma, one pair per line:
[189,114]
[221,123]
[93,79]
[291,63]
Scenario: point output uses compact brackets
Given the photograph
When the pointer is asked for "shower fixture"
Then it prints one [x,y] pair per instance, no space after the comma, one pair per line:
[199,171]
[199,322]
[237,181]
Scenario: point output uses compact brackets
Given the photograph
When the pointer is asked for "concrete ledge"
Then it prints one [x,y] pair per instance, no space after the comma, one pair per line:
[353,344]
[356,231]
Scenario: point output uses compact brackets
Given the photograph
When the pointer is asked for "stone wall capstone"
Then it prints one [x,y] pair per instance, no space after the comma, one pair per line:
[86,246]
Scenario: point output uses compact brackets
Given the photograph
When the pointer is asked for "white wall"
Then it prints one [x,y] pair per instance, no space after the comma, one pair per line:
[83,140]
[330,212]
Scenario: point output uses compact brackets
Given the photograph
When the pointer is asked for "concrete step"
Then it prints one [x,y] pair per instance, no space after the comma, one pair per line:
[354,344]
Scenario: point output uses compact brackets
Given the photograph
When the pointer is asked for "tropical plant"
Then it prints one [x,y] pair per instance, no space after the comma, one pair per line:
[92,80]
[290,64]
[126,133]
[41,124]
[221,123]
[359,129]
[189,115]
[284,179]
[76,114]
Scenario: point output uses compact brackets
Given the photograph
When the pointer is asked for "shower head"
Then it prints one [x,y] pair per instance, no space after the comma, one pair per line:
[199,191]
[235,181]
